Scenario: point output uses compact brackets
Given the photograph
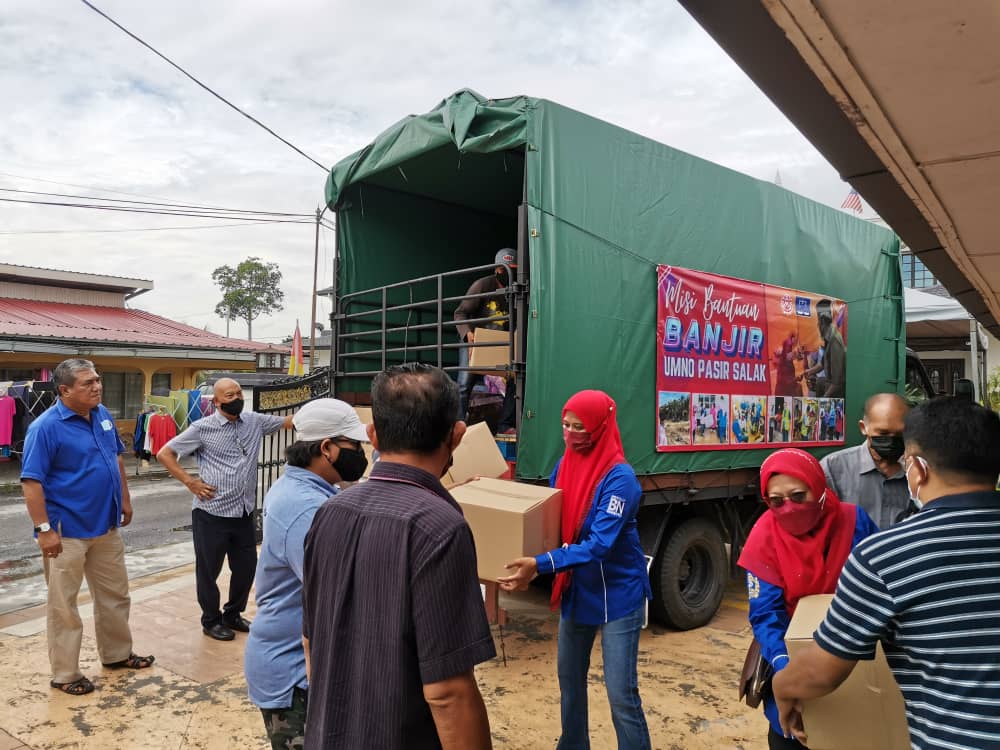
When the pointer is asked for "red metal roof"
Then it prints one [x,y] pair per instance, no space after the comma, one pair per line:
[26,318]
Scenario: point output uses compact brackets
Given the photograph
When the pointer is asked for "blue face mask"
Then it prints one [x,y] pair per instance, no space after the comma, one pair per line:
[915,494]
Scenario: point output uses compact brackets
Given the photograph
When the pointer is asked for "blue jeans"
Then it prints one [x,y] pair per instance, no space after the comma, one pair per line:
[620,646]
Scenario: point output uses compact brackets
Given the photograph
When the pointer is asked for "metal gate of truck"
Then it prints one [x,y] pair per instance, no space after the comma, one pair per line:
[281,398]
[413,321]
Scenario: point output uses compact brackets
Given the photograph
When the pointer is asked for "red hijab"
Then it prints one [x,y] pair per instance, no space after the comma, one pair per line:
[800,565]
[580,473]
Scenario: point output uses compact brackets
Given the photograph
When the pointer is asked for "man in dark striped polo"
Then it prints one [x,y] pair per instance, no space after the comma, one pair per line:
[928,588]
[393,616]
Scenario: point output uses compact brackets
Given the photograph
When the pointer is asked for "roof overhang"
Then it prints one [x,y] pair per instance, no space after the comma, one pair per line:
[901,98]
[73,280]
[14,345]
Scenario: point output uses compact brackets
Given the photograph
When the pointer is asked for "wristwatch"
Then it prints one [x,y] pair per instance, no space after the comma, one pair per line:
[43,528]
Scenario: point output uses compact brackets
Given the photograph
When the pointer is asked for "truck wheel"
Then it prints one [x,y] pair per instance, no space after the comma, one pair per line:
[689,575]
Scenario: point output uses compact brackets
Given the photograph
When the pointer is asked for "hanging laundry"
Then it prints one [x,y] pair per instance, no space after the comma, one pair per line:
[8,408]
[161,429]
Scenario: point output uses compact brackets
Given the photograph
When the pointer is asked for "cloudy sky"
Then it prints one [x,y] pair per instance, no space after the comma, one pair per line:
[88,111]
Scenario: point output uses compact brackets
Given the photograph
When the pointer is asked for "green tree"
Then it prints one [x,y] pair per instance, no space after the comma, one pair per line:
[248,291]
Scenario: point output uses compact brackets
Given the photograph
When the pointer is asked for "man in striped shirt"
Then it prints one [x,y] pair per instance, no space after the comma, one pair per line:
[226,444]
[928,588]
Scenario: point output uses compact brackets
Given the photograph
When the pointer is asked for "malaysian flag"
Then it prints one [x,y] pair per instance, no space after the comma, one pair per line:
[852,202]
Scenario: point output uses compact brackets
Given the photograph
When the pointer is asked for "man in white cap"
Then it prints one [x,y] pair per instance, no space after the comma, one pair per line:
[327,451]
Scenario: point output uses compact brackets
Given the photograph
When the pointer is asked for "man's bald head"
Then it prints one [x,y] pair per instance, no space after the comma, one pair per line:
[886,408]
[224,387]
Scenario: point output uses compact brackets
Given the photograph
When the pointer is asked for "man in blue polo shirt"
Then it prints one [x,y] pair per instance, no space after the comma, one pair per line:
[74,485]
[926,588]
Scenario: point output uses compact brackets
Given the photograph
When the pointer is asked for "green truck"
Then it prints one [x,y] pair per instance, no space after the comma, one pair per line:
[593,211]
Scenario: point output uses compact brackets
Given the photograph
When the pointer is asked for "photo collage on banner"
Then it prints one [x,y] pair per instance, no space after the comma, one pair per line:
[746,365]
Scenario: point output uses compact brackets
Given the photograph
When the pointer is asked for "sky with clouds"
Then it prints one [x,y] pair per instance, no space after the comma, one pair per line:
[89,108]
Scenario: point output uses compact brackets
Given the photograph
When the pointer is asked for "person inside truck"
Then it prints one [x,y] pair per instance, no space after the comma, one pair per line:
[795,549]
[495,307]
[609,586]
[871,472]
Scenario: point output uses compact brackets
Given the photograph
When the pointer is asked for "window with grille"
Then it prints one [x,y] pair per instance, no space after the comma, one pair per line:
[122,393]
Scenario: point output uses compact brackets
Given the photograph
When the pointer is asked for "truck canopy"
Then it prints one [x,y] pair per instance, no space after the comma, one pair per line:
[605,206]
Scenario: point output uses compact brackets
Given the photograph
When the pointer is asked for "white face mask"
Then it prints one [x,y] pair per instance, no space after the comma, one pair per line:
[915,494]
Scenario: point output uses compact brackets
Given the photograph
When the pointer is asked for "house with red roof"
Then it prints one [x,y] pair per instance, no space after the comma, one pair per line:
[47,316]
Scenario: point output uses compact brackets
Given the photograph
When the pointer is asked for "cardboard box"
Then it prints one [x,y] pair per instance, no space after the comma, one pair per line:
[490,357]
[866,712]
[509,520]
[365,415]
[476,456]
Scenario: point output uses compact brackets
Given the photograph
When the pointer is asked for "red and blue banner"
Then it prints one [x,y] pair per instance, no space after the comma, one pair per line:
[746,365]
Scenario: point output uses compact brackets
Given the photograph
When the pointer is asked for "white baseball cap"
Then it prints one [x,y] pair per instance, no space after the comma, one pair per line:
[328,417]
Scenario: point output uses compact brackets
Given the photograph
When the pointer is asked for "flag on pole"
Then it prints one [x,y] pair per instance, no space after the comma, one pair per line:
[852,202]
[296,366]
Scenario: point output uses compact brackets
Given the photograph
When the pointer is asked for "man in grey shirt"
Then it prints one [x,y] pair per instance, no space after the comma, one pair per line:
[870,474]
[226,444]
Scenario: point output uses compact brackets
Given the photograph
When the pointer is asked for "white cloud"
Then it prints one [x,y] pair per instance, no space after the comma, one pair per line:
[86,104]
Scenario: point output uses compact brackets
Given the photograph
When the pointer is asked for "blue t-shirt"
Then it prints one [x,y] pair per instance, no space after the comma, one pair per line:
[76,461]
[609,568]
[275,662]
[769,617]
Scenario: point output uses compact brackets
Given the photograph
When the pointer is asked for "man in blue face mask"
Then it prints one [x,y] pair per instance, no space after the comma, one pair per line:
[226,445]
[871,474]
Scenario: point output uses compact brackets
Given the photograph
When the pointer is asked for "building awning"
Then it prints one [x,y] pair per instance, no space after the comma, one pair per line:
[931,319]
[37,326]
[901,99]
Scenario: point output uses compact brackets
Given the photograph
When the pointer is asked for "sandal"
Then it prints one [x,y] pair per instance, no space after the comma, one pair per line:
[77,687]
[132,662]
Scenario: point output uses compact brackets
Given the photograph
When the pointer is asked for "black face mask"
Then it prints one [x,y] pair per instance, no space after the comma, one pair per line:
[233,408]
[889,447]
[350,464]
[503,277]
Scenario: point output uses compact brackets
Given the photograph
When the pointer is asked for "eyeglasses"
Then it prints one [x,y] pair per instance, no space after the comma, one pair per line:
[776,501]
[353,444]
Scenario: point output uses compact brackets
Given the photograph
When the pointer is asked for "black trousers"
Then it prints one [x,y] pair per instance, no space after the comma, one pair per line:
[216,538]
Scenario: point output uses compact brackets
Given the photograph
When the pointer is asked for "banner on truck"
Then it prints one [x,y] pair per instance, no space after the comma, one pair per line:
[746,365]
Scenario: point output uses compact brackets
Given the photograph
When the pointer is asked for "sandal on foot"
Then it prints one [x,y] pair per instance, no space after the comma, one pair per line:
[132,662]
[77,687]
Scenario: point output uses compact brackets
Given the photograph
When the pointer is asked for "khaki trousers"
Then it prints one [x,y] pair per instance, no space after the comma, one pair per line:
[102,560]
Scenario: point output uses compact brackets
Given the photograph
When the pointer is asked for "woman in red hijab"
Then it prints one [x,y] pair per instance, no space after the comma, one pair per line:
[601,580]
[795,549]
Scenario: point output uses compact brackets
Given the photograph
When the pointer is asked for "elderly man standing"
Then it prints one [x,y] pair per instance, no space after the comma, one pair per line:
[870,474]
[226,445]
[74,486]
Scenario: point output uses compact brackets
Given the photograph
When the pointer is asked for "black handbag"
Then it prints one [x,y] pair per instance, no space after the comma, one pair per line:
[755,679]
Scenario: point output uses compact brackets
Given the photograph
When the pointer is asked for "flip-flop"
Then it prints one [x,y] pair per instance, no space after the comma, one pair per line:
[132,662]
[77,687]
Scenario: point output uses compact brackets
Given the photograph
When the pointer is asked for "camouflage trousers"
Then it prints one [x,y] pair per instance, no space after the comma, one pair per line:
[286,727]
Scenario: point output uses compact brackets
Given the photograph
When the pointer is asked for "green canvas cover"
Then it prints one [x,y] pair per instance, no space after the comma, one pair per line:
[605,206]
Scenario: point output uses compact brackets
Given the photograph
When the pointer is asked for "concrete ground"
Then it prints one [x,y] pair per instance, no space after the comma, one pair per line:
[195,694]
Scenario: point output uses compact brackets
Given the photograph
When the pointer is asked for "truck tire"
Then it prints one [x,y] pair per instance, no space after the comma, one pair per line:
[689,575]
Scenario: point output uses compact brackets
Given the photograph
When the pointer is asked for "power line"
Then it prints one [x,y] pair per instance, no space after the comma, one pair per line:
[207,88]
[138,229]
[151,203]
[163,212]
[85,187]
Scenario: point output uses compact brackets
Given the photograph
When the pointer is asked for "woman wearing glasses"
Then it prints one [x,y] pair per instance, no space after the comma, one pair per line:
[601,580]
[795,549]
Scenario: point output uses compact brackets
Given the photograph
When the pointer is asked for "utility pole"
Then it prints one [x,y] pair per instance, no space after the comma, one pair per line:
[312,327]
